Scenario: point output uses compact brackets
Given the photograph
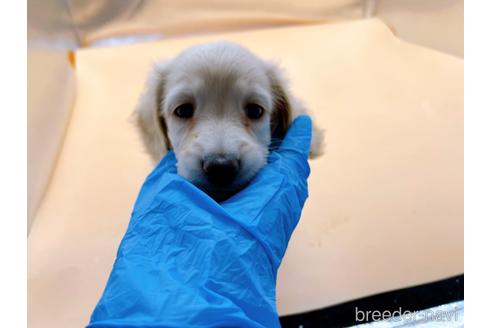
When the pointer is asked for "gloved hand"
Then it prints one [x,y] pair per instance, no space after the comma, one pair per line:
[187,261]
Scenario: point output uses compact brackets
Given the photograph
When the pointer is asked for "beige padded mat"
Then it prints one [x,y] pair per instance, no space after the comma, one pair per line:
[386,200]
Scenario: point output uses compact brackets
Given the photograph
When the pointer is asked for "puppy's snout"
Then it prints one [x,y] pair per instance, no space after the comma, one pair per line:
[220,169]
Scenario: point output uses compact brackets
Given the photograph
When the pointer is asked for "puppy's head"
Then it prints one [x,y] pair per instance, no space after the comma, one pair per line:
[218,107]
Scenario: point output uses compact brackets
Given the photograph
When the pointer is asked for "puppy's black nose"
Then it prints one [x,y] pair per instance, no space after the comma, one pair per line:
[220,170]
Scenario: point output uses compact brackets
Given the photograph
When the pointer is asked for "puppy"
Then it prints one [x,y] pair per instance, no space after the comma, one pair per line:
[220,108]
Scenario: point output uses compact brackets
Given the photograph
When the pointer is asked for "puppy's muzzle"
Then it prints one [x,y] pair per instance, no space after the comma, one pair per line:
[221,170]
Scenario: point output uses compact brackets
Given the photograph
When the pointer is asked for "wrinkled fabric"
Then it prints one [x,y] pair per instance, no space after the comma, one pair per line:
[187,261]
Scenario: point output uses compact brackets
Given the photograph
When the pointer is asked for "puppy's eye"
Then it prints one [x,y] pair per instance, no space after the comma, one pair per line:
[184,111]
[254,111]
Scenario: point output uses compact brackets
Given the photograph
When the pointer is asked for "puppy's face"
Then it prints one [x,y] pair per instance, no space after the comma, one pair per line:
[217,105]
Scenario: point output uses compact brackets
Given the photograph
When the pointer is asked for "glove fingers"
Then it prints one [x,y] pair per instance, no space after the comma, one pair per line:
[167,163]
[291,158]
[297,141]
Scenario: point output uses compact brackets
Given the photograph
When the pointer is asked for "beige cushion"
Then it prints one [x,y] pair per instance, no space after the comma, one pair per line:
[386,200]
[51,86]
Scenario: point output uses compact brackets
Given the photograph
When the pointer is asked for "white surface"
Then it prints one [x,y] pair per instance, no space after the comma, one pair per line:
[444,316]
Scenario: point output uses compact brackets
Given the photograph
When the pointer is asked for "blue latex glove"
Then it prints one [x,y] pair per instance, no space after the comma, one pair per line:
[187,261]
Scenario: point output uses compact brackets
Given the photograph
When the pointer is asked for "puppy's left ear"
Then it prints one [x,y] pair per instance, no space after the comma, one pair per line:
[148,114]
[286,108]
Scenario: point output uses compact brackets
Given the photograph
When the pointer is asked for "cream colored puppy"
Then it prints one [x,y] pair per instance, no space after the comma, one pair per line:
[220,108]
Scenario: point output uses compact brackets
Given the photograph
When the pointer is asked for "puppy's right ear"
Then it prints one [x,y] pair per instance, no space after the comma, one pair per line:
[148,114]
